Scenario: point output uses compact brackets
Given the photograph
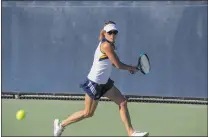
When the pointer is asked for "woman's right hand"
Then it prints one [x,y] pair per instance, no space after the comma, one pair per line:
[133,69]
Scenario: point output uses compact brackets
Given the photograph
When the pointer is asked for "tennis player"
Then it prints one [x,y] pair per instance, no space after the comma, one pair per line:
[98,83]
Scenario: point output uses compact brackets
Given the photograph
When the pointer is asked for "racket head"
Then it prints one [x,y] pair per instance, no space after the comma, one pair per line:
[144,64]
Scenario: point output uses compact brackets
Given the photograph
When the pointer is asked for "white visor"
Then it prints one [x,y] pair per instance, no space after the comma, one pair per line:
[110,27]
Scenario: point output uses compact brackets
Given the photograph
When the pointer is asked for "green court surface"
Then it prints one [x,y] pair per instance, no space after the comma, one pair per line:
[157,119]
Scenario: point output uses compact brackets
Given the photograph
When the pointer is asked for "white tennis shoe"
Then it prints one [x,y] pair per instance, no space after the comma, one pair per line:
[140,134]
[57,128]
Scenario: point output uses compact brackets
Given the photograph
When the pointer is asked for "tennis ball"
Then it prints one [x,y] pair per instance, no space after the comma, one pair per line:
[20,114]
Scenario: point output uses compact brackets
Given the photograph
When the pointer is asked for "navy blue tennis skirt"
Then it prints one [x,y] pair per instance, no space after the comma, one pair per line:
[94,90]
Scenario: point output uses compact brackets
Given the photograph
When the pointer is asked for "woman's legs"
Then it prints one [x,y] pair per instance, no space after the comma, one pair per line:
[115,95]
[90,107]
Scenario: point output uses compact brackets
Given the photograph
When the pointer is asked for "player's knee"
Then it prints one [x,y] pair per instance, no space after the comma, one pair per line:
[88,114]
[123,104]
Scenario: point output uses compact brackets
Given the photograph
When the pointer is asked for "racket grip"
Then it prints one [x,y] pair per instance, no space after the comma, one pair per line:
[131,72]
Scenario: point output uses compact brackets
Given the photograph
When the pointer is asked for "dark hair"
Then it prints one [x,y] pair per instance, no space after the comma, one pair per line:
[102,31]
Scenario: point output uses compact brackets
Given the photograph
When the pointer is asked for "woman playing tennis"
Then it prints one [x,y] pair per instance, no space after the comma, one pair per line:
[99,84]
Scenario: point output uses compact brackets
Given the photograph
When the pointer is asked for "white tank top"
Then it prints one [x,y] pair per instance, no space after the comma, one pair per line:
[101,68]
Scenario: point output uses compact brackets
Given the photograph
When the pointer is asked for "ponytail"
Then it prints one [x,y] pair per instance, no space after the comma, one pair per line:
[101,35]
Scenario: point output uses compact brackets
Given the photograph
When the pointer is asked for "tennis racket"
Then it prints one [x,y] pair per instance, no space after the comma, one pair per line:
[143,64]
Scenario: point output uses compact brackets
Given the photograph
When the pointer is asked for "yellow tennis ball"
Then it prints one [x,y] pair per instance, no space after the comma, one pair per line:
[20,114]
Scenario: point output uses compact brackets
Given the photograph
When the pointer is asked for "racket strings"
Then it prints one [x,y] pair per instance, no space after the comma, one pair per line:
[144,62]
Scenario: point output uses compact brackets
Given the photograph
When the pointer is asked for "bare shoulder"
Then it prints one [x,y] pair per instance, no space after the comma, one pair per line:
[106,46]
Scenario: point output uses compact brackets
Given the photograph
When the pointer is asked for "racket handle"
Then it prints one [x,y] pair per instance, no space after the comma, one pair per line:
[138,68]
[132,72]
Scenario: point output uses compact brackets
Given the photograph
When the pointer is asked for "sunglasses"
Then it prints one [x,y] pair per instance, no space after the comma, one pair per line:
[115,32]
